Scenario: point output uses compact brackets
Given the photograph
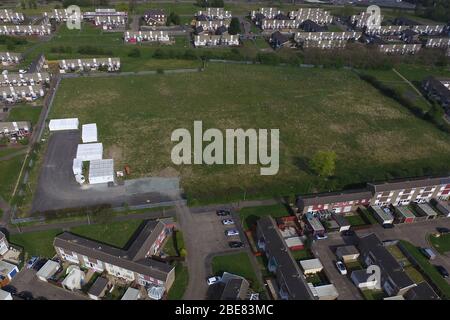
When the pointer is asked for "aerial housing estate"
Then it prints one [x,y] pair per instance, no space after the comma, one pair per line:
[211,28]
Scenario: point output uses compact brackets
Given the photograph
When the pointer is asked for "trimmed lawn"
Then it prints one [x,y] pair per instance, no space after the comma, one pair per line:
[238,264]
[373,294]
[174,244]
[356,220]
[180,284]
[367,215]
[304,254]
[428,269]
[115,233]
[250,215]
[37,243]
[7,151]
[25,113]
[414,274]
[315,109]
[41,243]
[9,171]
[441,244]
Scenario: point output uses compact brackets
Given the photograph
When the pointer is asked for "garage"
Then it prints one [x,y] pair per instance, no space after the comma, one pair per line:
[101,171]
[48,270]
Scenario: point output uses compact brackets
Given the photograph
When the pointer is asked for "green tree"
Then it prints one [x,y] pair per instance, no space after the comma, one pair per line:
[323,163]
[235,26]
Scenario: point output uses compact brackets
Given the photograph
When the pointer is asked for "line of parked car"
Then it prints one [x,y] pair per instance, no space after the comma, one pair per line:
[228,221]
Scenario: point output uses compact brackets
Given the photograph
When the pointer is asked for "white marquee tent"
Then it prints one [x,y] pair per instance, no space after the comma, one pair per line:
[77,166]
[63,124]
[89,133]
[90,151]
[101,171]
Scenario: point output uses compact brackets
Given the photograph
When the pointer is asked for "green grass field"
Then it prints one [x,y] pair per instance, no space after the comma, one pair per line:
[441,244]
[180,284]
[238,264]
[9,171]
[37,243]
[41,243]
[25,113]
[315,109]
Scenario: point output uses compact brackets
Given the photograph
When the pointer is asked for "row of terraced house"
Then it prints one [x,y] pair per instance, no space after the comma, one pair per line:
[395,193]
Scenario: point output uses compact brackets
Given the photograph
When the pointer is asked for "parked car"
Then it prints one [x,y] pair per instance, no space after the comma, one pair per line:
[321,237]
[32,262]
[442,271]
[223,213]
[388,225]
[443,230]
[341,268]
[235,244]
[427,252]
[213,280]
[227,222]
[39,264]
[232,232]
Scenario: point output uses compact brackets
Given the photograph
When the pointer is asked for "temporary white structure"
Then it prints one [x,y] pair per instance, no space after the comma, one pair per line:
[47,270]
[89,133]
[90,151]
[77,166]
[63,124]
[75,278]
[101,171]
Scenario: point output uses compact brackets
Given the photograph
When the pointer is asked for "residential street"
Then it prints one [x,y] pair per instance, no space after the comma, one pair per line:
[416,233]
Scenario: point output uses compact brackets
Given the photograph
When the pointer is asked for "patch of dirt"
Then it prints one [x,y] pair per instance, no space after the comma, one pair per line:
[168,172]
[115,152]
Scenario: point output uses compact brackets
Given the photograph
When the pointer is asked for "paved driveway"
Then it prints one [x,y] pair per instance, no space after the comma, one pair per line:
[325,251]
[26,280]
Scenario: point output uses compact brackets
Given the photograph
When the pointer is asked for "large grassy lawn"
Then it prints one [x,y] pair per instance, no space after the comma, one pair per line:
[41,243]
[442,243]
[9,171]
[114,233]
[238,264]
[180,284]
[37,243]
[25,113]
[374,137]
